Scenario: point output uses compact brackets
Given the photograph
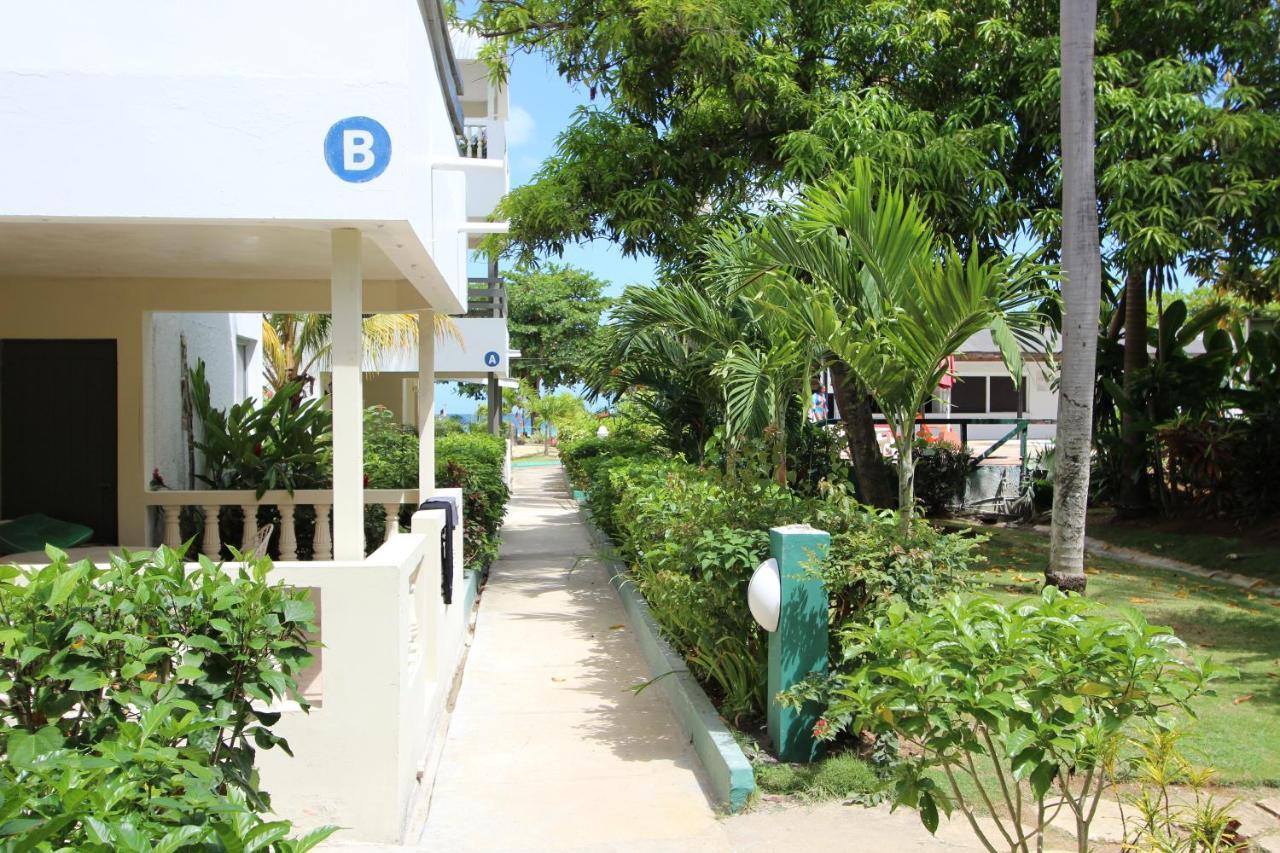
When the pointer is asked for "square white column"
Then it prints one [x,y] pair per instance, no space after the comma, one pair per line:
[348,396]
[426,404]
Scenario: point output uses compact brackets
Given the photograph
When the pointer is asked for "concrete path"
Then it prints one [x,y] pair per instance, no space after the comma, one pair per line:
[549,747]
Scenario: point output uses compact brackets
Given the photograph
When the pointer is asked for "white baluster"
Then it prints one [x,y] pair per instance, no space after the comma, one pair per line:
[172,532]
[393,521]
[212,545]
[288,538]
[249,538]
[322,547]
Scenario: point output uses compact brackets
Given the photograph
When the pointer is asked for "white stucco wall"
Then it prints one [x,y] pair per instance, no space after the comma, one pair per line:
[1042,400]
[180,112]
[213,338]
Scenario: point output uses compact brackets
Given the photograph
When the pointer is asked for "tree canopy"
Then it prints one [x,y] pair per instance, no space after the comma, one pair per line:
[554,313]
[703,109]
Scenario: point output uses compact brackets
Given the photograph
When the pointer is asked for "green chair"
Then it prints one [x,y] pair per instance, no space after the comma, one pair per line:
[33,532]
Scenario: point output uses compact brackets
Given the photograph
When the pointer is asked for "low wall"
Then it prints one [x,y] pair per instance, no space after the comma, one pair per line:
[390,650]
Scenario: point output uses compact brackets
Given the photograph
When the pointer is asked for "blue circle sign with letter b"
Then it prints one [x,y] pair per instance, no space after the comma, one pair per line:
[357,149]
[491,359]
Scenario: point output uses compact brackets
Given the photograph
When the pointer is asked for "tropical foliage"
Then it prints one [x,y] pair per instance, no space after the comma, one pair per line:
[692,538]
[132,703]
[554,313]
[296,347]
[857,268]
[1041,696]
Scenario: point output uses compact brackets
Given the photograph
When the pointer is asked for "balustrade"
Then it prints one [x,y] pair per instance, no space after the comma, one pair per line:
[211,503]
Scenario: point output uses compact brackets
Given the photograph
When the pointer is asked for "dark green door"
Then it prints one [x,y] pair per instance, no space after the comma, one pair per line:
[58,432]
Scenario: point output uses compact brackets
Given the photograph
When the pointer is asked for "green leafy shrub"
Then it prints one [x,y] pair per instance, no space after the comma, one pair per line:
[941,473]
[696,591]
[449,426]
[692,538]
[390,451]
[473,462]
[282,443]
[277,443]
[1041,693]
[872,563]
[132,702]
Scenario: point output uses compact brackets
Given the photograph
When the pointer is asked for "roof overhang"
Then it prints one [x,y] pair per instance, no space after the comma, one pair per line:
[216,249]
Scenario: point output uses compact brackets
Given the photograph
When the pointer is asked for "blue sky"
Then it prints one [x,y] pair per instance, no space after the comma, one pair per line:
[542,104]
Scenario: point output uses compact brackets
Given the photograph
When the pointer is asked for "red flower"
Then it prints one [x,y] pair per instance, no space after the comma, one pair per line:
[821,729]
[366,481]
[257,449]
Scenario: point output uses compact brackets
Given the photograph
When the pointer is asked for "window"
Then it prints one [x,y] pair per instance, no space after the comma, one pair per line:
[1005,398]
[244,358]
[969,395]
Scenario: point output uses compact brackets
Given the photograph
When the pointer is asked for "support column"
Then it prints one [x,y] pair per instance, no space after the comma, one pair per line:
[495,393]
[798,647]
[495,405]
[346,356]
[426,404]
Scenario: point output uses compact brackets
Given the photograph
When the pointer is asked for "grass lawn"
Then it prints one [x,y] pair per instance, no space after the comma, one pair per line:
[1253,550]
[1238,730]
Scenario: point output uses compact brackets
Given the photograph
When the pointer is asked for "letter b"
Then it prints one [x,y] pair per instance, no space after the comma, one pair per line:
[357,150]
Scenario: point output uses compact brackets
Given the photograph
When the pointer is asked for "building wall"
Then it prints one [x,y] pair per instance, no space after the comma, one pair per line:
[1042,400]
[188,112]
[120,310]
[217,340]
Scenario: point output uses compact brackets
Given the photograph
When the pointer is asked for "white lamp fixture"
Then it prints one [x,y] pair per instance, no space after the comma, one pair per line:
[764,595]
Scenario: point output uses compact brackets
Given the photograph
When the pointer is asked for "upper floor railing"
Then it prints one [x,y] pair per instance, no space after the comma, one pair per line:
[474,142]
[486,297]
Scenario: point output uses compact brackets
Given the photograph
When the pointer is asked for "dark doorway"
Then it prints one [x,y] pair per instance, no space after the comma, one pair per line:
[58,432]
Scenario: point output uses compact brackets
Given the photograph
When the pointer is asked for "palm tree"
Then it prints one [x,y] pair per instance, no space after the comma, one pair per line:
[296,345]
[762,367]
[1081,288]
[860,268]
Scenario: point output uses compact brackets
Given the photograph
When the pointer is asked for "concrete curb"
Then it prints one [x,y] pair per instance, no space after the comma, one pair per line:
[1105,549]
[731,776]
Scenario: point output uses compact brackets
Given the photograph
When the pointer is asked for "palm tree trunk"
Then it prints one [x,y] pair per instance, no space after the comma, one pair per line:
[906,475]
[1082,289]
[1135,494]
[860,431]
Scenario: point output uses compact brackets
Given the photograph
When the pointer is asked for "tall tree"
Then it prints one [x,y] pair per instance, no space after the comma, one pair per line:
[701,110]
[1082,293]
[859,267]
[554,313]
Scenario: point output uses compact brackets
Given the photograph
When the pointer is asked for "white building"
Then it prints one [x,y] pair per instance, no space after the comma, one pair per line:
[984,389]
[165,159]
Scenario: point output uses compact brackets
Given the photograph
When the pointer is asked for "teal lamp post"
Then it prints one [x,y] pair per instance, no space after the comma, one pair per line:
[791,604]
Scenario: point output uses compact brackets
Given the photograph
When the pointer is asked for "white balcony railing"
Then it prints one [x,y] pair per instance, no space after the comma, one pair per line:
[209,506]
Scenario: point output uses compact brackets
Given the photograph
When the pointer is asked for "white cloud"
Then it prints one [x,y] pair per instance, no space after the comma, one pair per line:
[520,126]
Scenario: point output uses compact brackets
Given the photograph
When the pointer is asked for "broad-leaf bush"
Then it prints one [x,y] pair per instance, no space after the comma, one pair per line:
[1041,694]
[133,702]
[871,564]
[692,538]
[471,461]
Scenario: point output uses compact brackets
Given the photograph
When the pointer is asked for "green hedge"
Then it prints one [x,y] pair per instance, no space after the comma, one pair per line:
[692,538]
[471,461]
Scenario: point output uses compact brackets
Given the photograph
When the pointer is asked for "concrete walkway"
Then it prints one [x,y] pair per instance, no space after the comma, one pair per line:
[549,747]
